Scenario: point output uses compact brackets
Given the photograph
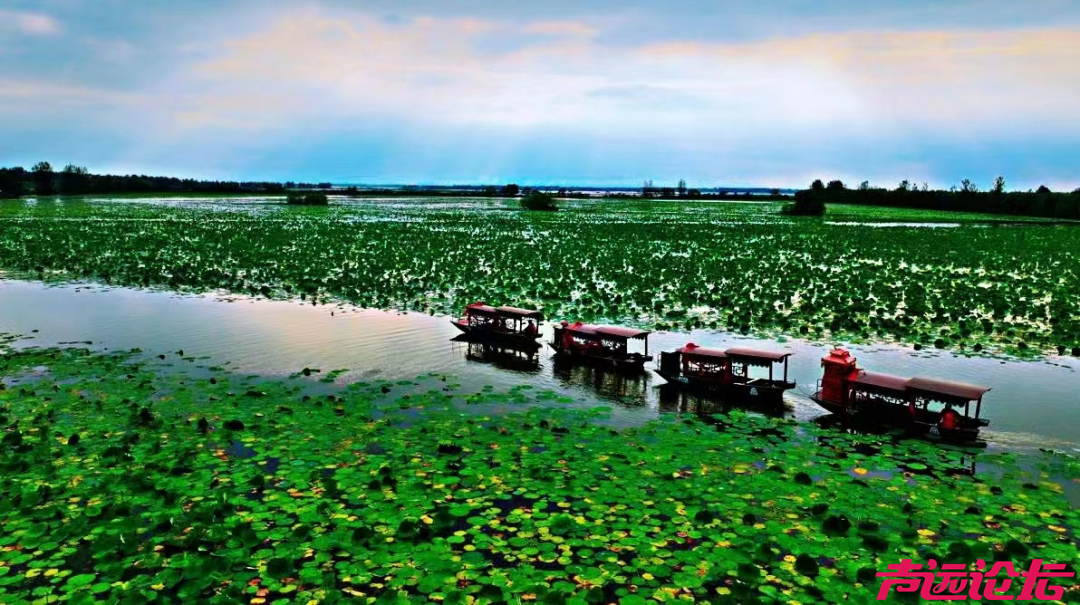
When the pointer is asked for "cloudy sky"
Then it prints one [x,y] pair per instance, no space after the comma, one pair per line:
[719,92]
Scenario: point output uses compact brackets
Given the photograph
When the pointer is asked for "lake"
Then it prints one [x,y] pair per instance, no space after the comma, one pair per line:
[1032,404]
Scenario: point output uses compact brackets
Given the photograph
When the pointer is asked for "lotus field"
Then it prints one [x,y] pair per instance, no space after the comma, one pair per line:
[127,480]
[728,266]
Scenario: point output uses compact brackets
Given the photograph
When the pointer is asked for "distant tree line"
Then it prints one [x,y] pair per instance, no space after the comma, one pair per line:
[514,190]
[648,190]
[293,185]
[966,197]
[77,180]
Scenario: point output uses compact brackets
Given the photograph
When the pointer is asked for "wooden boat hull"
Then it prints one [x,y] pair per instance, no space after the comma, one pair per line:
[474,333]
[763,391]
[899,417]
[635,363]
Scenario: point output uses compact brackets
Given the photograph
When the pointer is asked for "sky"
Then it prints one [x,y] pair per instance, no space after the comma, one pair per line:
[604,92]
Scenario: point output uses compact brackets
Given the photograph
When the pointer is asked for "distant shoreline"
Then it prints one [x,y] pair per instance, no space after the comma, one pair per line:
[727,195]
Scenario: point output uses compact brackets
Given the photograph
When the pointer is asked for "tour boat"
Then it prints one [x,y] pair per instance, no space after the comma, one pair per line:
[604,345]
[917,404]
[726,372]
[500,324]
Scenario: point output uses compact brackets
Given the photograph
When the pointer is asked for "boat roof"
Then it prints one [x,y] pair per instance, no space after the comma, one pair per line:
[696,351]
[881,381]
[607,331]
[480,308]
[947,388]
[581,328]
[621,332]
[518,312]
[748,354]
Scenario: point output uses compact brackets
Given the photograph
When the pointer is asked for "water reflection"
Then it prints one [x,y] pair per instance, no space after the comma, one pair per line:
[951,460]
[1033,404]
[676,399]
[965,465]
[629,389]
[525,360]
[886,225]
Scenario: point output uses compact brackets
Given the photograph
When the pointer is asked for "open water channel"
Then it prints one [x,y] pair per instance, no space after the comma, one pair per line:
[1032,404]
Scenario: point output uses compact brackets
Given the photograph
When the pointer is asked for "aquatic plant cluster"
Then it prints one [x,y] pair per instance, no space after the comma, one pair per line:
[129,480]
[735,267]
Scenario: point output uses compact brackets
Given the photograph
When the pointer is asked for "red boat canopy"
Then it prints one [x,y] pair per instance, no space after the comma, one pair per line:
[616,332]
[479,308]
[580,328]
[693,350]
[516,312]
[756,356]
[882,382]
[620,332]
[945,388]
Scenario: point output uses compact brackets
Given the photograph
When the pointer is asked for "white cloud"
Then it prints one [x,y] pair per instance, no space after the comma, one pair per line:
[443,71]
[560,28]
[477,93]
[31,96]
[28,23]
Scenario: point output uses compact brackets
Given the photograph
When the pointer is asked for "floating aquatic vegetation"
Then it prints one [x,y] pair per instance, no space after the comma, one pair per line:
[732,267]
[127,481]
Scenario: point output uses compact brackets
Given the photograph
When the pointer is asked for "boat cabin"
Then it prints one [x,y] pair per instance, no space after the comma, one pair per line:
[747,358]
[924,393]
[518,320]
[609,344]
[698,361]
[481,317]
[728,370]
[923,404]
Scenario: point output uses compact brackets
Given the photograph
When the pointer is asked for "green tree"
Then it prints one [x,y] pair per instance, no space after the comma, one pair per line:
[999,185]
[74,180]
[43,179]
[12,182]
[315,198]
[538,200]
[511,190]
[836,185]
[810,202]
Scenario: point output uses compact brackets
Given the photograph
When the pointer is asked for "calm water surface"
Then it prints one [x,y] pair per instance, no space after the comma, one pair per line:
[1032,404]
